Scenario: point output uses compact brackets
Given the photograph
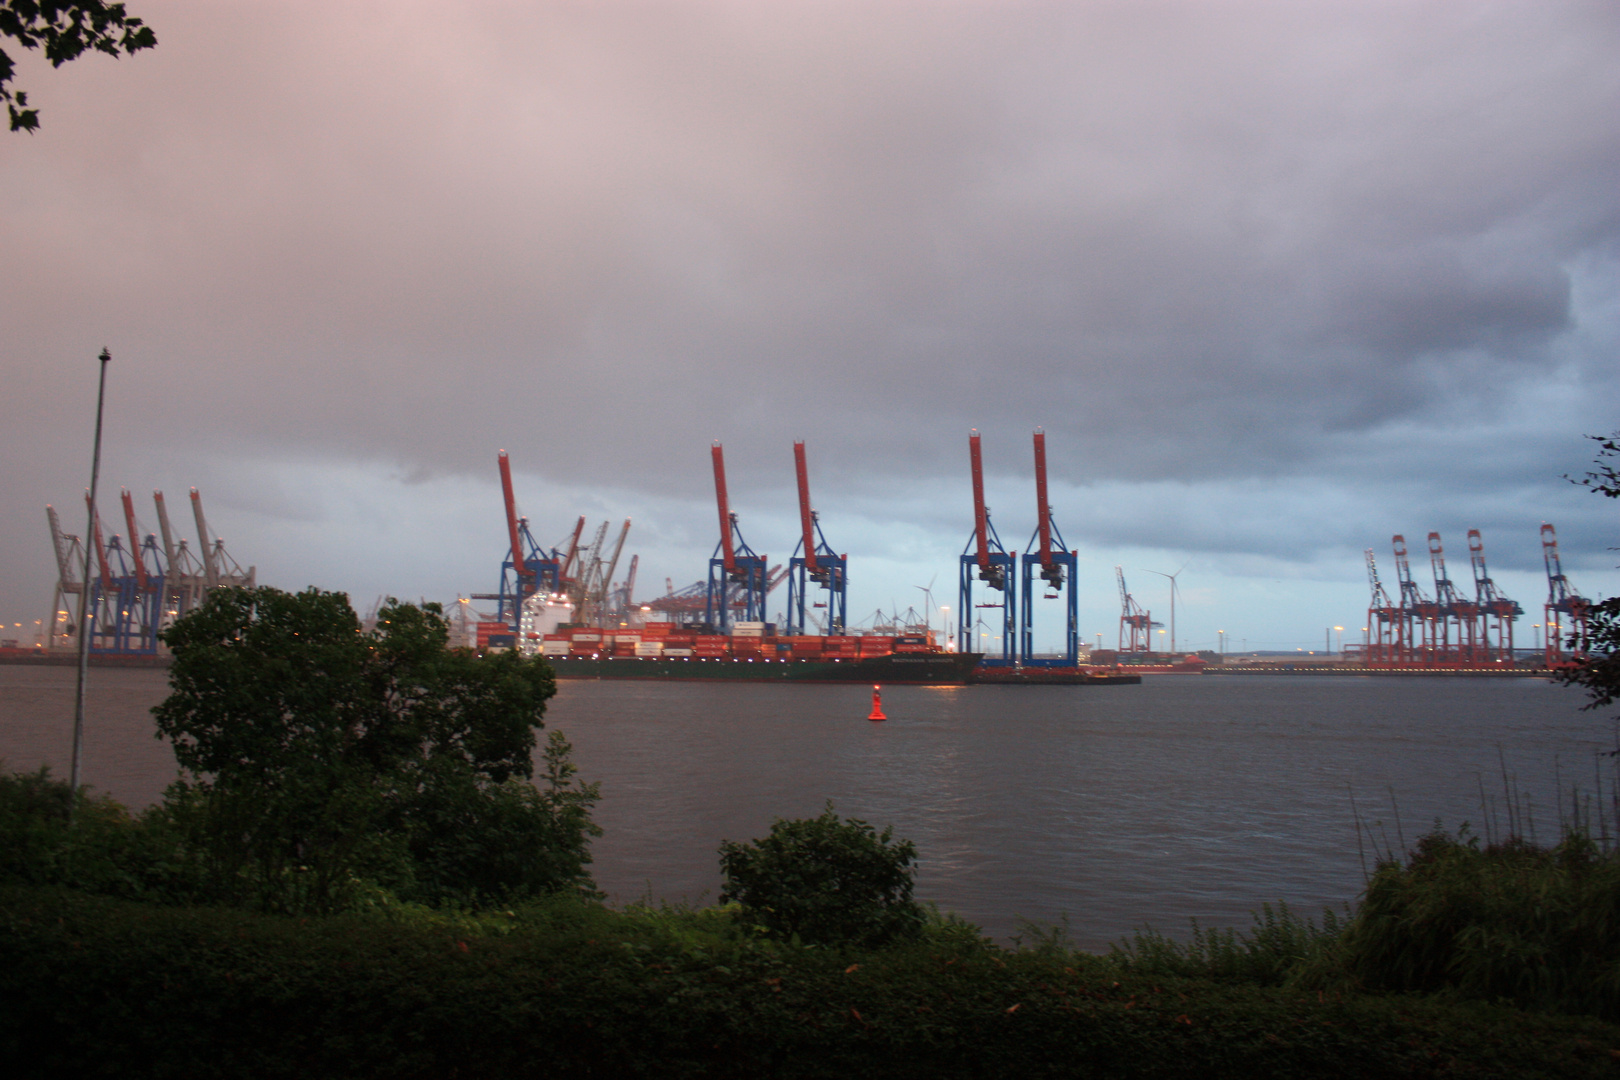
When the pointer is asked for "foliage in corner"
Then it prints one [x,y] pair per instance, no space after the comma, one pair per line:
[825,881]
[67,31]
[316,757]
[1598,669]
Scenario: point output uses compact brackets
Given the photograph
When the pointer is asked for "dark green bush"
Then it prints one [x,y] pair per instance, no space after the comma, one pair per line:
[823,880]
[1536,926]
[106,850]
[564,988]
[321,762]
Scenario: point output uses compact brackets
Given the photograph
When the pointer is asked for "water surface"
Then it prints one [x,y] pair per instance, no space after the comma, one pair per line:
[1116,806]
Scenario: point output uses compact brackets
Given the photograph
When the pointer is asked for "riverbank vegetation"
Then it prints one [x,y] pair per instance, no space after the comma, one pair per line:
[1462,959]
[370,867]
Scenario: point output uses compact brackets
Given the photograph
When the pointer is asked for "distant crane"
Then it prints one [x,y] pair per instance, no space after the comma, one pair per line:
[733,565]
[138,587]
[1459,615]
[1496,612]
[527,568]
[1563,602]
[814,561]
[1384,620]
[985,558]
[1419,614]
[1056,567]
[1136,625]
[626,590]
[183,575]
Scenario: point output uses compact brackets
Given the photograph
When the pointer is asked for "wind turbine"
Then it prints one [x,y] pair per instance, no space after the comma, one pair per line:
[1172,578]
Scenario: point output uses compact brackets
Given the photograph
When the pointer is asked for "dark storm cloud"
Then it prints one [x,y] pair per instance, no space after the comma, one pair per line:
[1360,245]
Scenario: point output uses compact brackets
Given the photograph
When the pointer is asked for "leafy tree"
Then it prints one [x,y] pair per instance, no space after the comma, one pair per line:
[1599,669]
[315,756]
[825,881]
[67,31]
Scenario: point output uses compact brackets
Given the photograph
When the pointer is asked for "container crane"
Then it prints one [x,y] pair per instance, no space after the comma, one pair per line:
[1459,615]
[142,610]
[986,559]
[527,568]
[183,575]
[602,585]
[1135,624]
[814,561]
[1563,603]
[69,555]
[735,570]
[626,591]
[1383,620]
[1056,567]
[219,568]
[1418,613]
[1496,612]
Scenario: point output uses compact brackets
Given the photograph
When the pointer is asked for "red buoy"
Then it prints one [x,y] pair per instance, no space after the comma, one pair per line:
[877,704]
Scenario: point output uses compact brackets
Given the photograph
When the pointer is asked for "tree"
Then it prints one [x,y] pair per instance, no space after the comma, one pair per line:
[1598,670]
[67,31]
[824,881]
[316,756]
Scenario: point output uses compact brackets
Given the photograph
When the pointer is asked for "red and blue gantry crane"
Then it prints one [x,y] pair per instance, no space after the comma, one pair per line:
[1497,613]
[1056,567]
[1566,611]
[814,563]
[738,577]
[527,568]
[1419,616]
[984,558]
[1458,636]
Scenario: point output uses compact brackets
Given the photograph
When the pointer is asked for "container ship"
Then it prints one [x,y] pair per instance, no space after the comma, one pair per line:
[752,652]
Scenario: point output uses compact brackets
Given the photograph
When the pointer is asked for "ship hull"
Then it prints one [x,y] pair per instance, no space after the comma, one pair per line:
[923,669]
[1046,676]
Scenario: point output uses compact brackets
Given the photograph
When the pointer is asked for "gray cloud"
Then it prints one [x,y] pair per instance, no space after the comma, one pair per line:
[1363,253]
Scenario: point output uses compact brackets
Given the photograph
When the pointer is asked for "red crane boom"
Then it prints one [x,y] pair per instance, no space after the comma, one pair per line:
[134,541]
[573,550]
[804,508]
[978,501]
[1043,510]
[101,547]
[511,518]
[728,554]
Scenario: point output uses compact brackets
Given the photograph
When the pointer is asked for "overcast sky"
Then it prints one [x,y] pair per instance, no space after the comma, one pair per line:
[1278,280]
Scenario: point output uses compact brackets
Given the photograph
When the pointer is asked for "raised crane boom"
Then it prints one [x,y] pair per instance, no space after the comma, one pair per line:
[1043,509]
[64,560]
[511,518]
[210,564]
[101,546]
[728,556]
[980,515]
[170,556]
[805,521]
[134,540]
[613,563]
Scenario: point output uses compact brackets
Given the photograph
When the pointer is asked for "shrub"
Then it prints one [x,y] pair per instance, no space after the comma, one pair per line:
[1279,943]
[1536,926]
[823,880]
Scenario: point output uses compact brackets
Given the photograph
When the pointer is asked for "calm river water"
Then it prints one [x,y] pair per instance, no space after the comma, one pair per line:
[1118,806]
